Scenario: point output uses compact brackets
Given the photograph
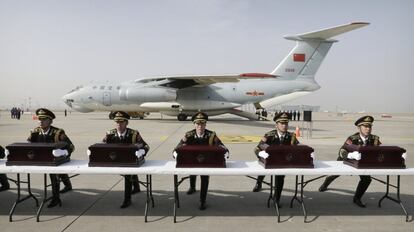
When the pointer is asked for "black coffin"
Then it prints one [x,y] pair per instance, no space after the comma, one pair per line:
[114,155]
[288,156]
[200,156]
[35,154]
[376,156]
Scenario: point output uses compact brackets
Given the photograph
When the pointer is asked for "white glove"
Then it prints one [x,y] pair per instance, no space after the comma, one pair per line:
[140,153]
[226,155]
[88,152]
[404,155]
[354,155]
[263,154]
[312,155]
[6,152]
[60,152]
[175,155]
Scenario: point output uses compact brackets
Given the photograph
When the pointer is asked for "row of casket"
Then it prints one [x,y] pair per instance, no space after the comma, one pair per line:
[193,156]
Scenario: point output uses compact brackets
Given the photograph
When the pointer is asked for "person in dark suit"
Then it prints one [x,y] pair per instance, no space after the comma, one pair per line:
[200,136]
[46,133]
[279,136]
[3,177]
[123,134]
[362,138]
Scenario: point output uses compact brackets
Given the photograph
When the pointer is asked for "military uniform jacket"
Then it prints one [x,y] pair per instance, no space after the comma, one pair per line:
[272,138]
[54,135]
[1,152]
[131,136]
[355,139]
[209,138]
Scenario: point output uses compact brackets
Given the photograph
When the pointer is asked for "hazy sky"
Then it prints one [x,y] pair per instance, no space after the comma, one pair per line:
[49,47]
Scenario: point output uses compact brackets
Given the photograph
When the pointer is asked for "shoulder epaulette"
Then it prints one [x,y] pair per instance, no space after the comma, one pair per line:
[36,130]
[132,131]
[190,133]
[112,131]
[375,136]
[354,136]
[271,133]
[55,129]
[209,132]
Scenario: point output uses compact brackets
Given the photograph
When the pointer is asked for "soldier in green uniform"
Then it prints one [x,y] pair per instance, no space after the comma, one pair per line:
[46,133]
[362,138]
[3,177]
[280,136]
[123,134]
[200,136]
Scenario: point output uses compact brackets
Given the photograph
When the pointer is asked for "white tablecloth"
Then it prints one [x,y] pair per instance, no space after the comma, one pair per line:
[235,168]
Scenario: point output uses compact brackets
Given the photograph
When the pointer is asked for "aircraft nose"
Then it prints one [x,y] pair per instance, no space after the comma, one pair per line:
[67,100]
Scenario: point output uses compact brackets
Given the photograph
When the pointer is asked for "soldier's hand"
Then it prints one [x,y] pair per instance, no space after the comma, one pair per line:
[175,155]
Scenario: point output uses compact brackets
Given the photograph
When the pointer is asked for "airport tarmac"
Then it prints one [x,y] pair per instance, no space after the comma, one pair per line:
[94,203]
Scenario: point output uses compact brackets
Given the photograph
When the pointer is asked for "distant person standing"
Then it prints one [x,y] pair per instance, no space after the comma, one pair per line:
[298,115]
[66,113]
[18,113]
[294,115]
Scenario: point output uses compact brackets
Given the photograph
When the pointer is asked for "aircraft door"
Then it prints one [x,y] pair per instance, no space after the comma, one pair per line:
[106,99]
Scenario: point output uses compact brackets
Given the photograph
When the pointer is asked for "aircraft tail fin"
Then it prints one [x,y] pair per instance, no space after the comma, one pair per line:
[310,50]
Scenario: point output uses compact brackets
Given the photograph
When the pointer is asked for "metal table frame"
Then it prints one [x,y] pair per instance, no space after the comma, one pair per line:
[235,168]
[147,184]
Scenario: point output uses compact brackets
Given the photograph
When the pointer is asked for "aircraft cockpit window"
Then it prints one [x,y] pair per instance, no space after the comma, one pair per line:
[149,80]
[76,89]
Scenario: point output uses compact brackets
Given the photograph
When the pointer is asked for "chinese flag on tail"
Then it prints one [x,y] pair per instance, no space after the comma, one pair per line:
[299,57]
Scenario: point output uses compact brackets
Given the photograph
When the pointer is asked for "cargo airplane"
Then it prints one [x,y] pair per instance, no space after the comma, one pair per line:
[182,96]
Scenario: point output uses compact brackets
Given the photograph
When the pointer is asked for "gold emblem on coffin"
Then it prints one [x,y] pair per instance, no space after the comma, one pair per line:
[289,157]
[200,158]
[30,155]
[112,155]
[381,158]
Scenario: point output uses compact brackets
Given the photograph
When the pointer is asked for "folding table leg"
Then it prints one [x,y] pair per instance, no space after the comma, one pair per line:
[147,196]
[398,200]
[271,192]
[300,200]
[176,199]
[45,198]
[19,200]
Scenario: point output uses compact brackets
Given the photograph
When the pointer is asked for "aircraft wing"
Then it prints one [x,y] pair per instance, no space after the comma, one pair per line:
[180,82]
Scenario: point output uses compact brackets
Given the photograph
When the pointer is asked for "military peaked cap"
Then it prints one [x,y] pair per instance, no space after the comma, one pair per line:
[120,116]
[366,120]
[199,117]
[43,113]
[281,117]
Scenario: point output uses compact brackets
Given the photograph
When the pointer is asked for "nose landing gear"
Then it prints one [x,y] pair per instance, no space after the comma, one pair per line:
[182,117]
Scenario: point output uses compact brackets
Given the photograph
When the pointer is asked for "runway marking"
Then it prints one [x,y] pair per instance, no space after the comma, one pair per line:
[240,138]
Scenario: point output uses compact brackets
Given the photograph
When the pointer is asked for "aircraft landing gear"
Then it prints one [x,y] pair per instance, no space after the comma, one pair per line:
[182,117]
